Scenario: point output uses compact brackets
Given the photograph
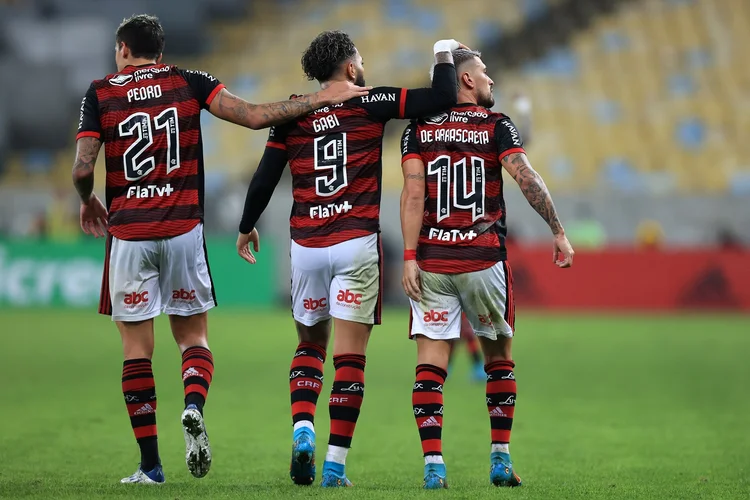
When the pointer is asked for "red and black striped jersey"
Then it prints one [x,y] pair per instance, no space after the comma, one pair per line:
[335,157]
[149,120]
[463,229]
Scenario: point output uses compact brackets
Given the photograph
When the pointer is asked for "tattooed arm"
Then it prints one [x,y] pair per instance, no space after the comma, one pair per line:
[533,188]
[87,150]
[93,213]
[536,193]
[257,116]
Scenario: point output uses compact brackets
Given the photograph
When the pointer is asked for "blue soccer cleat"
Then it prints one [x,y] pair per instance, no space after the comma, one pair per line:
[477,372]
[434,477]
[154,476]
[334,476]
[501,470]
[302,467]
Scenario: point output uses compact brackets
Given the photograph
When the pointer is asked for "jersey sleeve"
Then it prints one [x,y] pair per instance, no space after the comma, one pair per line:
[262,186]
[385,103]
[204,85]
[507,138]
[409,143]
[277,136]
[89,123]
[388,103]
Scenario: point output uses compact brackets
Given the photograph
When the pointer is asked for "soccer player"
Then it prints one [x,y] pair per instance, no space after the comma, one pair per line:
[453,223]
[522,112]
[335,159]
[148,115]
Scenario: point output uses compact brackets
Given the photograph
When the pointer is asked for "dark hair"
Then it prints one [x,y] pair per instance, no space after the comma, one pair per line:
[325,54]
[460,56]
[143,35]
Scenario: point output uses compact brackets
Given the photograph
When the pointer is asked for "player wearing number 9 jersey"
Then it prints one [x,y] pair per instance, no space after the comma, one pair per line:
[148,116]
[335,156]
[453,223]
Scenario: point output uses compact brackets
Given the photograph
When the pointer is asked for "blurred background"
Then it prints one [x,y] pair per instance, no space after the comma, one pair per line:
[636,113]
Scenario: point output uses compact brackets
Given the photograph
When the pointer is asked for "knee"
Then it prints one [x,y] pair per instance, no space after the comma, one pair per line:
[499,350]
[317,334]
[138,347]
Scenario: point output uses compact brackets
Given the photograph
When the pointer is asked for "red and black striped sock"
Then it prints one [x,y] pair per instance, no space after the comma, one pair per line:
[427,402]
[197,373]
[501,399]
[346,399]
[306,381]
[139,391]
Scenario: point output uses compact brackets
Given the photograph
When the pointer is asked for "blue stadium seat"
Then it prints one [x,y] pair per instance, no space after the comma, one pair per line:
[681,84]
[691,133]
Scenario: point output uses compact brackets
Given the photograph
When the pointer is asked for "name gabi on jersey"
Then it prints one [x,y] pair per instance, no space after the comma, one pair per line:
[144,93]
[379,98]
[325,211]
[325,122]
[149,191]
[452,235]
[455,135]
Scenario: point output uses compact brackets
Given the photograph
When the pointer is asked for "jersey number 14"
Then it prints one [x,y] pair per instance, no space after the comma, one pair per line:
[454,189]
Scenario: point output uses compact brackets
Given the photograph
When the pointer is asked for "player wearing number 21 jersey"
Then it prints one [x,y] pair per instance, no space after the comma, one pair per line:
[453,222]
[335,159]
[148,116]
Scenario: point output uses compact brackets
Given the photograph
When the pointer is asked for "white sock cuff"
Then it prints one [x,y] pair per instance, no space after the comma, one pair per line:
[304,423]
[337,454]
[502,448]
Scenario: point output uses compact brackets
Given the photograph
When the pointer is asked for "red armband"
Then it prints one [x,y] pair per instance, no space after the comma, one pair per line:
[410,255]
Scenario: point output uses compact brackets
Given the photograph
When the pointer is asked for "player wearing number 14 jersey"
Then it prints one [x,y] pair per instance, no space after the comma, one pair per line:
[148,116]
[335,159]
[453,222]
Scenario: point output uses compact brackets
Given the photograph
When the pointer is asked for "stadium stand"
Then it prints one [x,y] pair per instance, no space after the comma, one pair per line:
[639,96]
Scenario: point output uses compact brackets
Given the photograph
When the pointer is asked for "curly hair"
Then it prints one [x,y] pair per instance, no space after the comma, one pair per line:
[325,54]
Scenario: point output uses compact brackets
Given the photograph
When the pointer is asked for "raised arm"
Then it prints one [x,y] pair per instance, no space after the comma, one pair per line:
[389,103]
[444,91]
[231,108]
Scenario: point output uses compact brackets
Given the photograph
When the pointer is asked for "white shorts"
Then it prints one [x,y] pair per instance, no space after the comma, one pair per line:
[146,278]
[485,296]
[343,281]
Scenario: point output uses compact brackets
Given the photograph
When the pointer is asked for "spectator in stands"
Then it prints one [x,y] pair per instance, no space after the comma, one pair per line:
[649,235]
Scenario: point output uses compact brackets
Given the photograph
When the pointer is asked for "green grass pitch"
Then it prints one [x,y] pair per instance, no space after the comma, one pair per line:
[650,407]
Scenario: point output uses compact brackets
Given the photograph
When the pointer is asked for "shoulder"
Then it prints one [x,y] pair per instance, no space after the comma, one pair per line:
[193,73]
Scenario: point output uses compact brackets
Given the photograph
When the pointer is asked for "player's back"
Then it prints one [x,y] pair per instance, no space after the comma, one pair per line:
[149,119]
[464,223]
[335,156]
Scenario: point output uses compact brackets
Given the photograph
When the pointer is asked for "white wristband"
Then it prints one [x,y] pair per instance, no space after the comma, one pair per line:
[445,46]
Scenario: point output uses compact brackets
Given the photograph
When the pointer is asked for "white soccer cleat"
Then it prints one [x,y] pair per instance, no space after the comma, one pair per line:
[155,476]
[197,448]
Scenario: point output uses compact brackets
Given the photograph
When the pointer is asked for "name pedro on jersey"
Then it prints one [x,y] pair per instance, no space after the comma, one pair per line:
[144,93]
[455,135]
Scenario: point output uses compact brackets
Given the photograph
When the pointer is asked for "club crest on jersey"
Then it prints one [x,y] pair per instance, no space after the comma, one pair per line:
[121,80]
[437,119]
